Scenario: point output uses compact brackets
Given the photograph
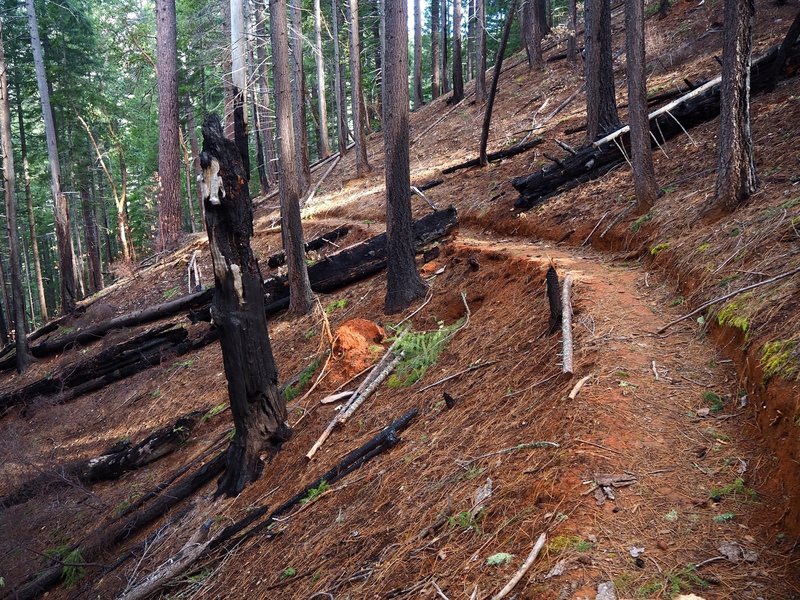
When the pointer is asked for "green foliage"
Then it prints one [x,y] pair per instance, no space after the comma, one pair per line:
[465,520]
[499,559]
[673,584]
[780,358]
[644,219]
[335,305]
[569,542]
[315,492]
[724,517]
[214,411]
[733,315]
[704,246]
[72,569]
[736,488]
[185,364]
[287,573]
[171,292]
[292,391]
[715,403]
[200,577]
[659,248]
[716,435]
[421,349]
[671,516]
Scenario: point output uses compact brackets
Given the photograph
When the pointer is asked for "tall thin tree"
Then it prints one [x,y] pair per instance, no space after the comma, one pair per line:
[480,50]
[445,58]
[417,54]
[322,107]
[169,197]
[601,103]
[267,119]
[458,69]
[644,175]
[23,355]
[339,81]
[362,164]
[736,171]
[301,298]
[532,33]
[436,61]
[572,41]
[403,283]
[299,93]
[60,206]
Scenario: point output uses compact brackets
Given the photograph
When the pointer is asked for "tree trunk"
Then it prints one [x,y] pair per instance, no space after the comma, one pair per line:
[644,175]
[572,43]
[3,326]
[480,51]
[403,283]
[601,104]
[239,81]
[90,231]
[187,174]
[191,128]
[362,164]
[418,102]
[23,146]
[227,70]
[324,144]
[470,40]
[498,69]
[100,201]
[663,8]
[60,205]
[298,95]
[458,72]
[123,226]
[445,72]
[339,81]
[736,171]
[169,198]
[21,339]
[436,61]
[267,120]
[301,297]
[374,110]
[259,412]
[544,13]
[532,33]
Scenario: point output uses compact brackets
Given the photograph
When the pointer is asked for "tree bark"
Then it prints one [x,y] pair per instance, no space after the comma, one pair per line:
[736,171]
[498,68]
[301,297]
[60,205]
[339,81]
[24,357]
[601,105]
[436,61]
[259,412]
[418,102]
[239,87]
[480,51]
[169,198]
[644,175]
[191,128]
[267,120]
[298,95]
[403,283]
[445,68]
[532,33]
[470,40]
[3,326]
[324,144]
[458,71]
[572,42]
[91,233]
[362,164]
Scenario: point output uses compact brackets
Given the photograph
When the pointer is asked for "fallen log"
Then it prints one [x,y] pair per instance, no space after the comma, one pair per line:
[698,106]
[429,184]
[495,156]
[553,300]
[279,258]
[566,325]
[112,464]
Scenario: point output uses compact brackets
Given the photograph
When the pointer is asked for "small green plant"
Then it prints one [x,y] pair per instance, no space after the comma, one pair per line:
[72,569]
[231,434]
[651,588]
[421,349]
[156,393]
[569,542]
[715,403]
[335,305]
[499,559]
[644,219]
[199,577]
[315,492]
[171,292]
[704,246]
[292,391]
[667,189]
[724,518]
[716,435]
[736,488]
[780,358]
[659,248]
[310,333]
[671,516]
[288,573]
[733,315]
[214,411]
[679,301]
[184,364]
[465,520]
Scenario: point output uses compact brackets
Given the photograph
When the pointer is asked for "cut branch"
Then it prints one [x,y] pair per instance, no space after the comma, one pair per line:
[537,547]
[566,325]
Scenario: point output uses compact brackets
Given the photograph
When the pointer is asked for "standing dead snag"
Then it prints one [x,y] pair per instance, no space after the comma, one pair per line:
[259,412]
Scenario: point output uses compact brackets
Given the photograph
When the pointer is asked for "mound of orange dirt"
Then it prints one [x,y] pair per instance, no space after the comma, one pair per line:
[354,348]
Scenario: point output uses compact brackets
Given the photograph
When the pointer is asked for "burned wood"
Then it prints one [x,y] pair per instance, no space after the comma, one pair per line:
[111,464]
[279,258]
[699,106]
[495,156]
[429,184]
[553,299]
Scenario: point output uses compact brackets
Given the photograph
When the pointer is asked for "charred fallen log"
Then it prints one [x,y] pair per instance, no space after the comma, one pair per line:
[699,106]
[279,258]
[119,459]
[495,156]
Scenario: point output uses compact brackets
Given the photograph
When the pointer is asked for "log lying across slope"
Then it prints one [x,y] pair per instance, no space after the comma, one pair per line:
[698,106]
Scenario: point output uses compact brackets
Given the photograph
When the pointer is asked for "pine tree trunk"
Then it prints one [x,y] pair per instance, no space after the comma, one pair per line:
[370,113]
[23,355]
[418,102]
[543,13]
[265,113]
[227,69]
[3,327]
[298,95]
[601,105]
[322,107]
[480,51]
[169,197]
[532,33]
[436,61]
[644,175]
[123,227]
[191,129]
[100,201]
[4,289]
[60,205]
[187,175]
[470,41]
[259,412]
[90,231]
[572,43]
[458,72]
[339,81]
[23,146]
[239,80]
[736,171]
[362,164]
[445,71]
[300,295]
[403,283]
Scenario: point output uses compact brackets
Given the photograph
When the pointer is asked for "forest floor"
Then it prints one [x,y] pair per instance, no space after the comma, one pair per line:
[704,448]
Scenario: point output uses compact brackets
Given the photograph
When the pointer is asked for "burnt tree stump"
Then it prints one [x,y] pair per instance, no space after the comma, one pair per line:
[259,411]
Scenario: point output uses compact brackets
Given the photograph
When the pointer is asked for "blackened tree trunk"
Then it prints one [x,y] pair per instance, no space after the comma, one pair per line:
[60,205]
[362,164]
[532,33]
[436,61]
[601,104]
[458,72]
[259,412]
[445,34]
[169,198]
[736,171]
[91,233]
[322,107]
[418,102]
[572,42]
[23,146]
[300,295]
[20,336]
[403,283]
[480,51]
[644,175]
[298,94]
[339,80]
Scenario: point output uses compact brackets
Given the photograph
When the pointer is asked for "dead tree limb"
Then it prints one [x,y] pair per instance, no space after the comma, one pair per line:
[566,325]
[495,156]
[553,299]
[537,547]
[279,258]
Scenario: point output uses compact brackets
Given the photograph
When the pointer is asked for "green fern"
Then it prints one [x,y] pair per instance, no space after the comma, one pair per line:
[420,349]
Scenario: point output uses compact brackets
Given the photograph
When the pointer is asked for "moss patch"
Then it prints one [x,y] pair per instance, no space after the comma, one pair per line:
[780,358]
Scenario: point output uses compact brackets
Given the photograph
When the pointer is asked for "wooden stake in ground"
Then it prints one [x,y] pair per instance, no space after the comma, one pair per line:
[566,324]
[537,547]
